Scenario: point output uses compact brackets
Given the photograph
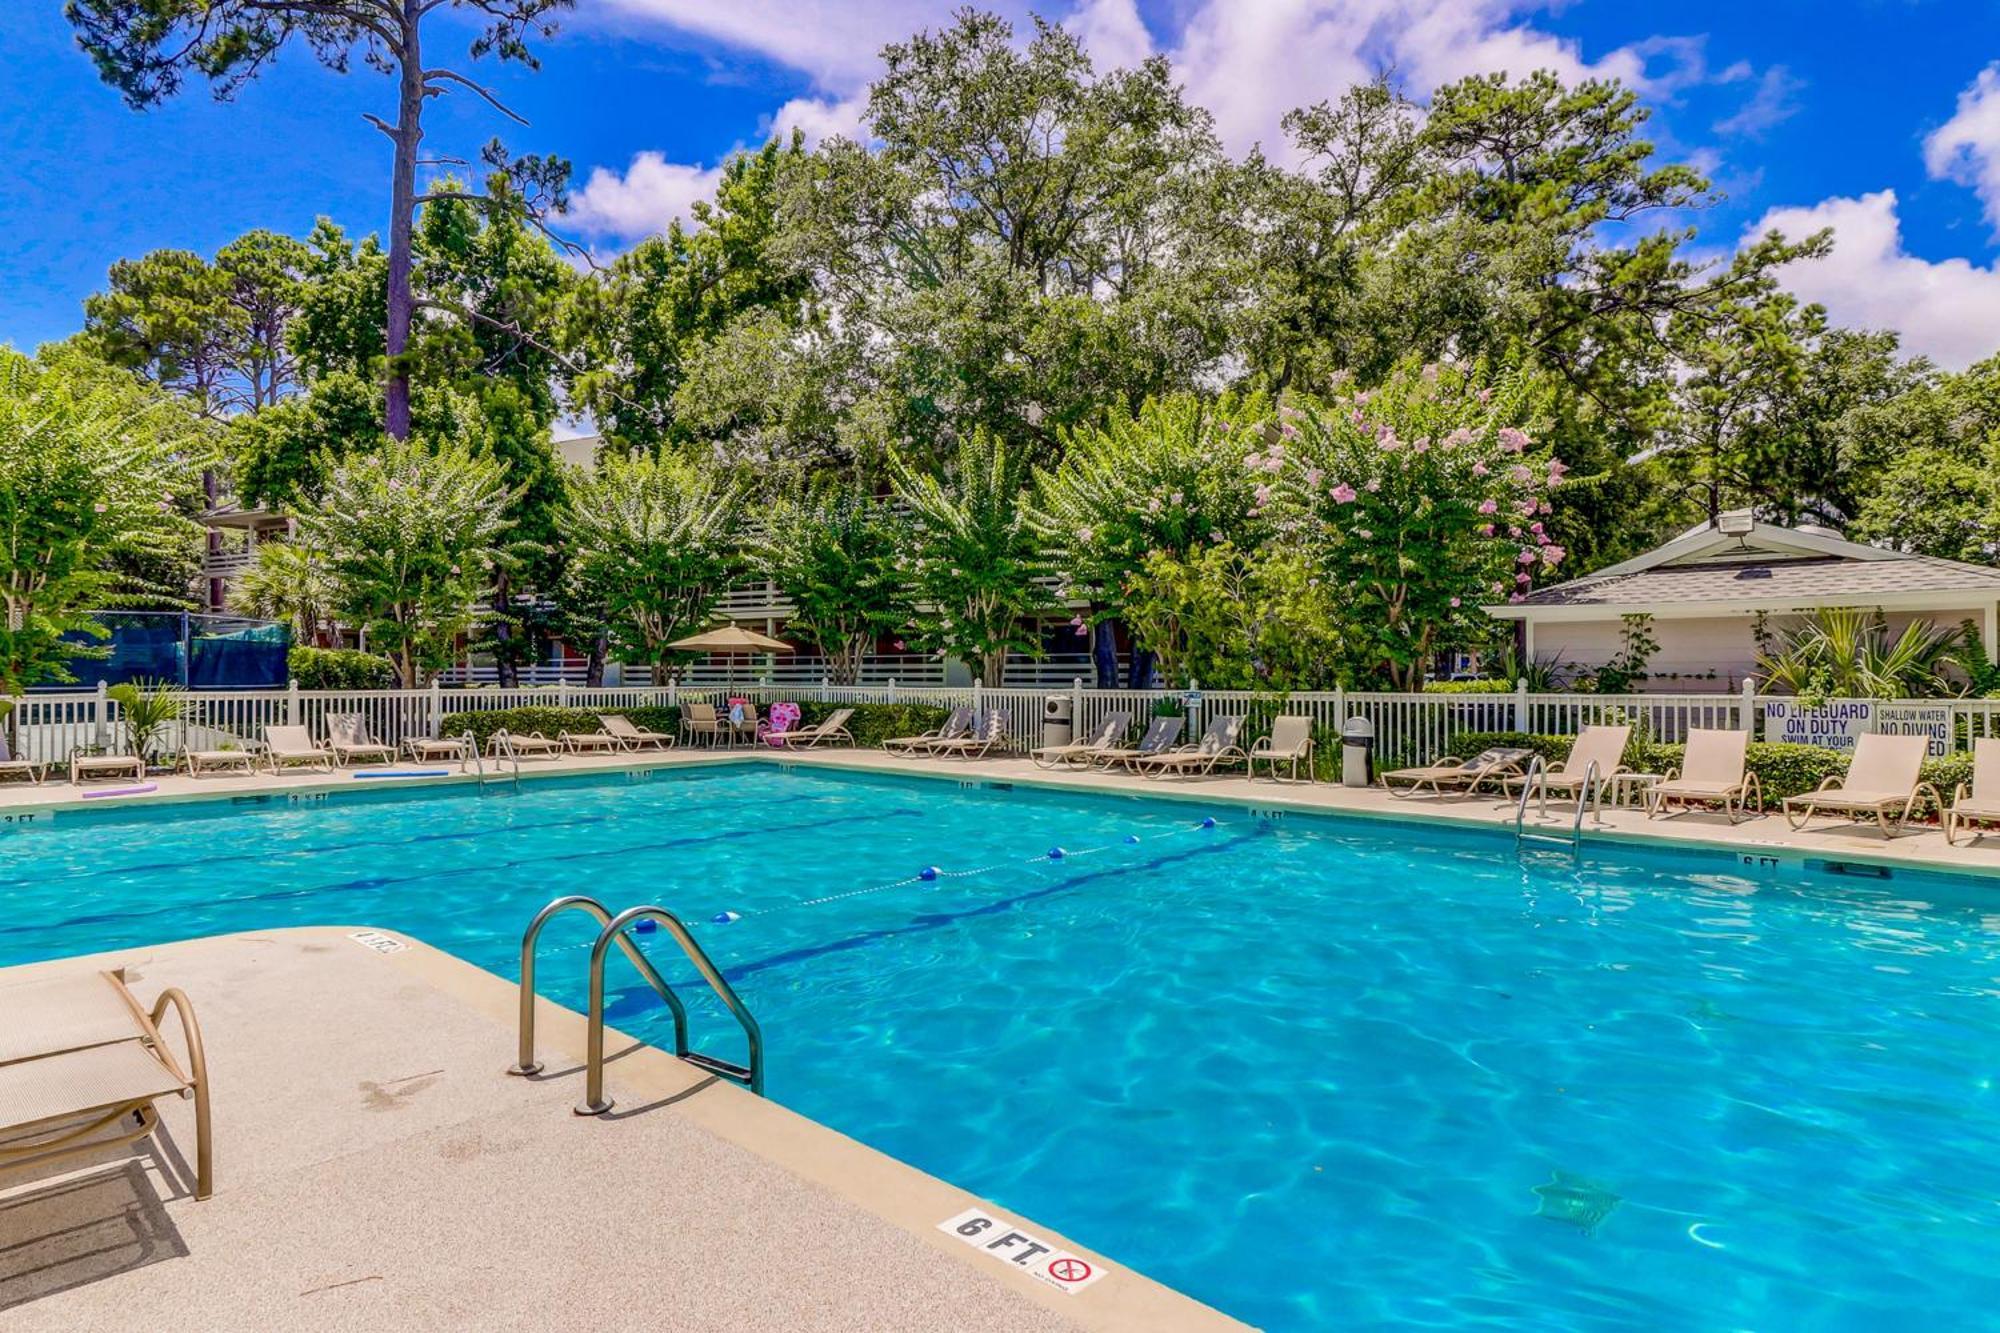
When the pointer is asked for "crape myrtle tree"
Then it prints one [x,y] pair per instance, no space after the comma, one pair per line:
[95,469]
[831,548]
[148,48]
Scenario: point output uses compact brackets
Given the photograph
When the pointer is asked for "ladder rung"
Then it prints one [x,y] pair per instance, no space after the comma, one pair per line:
[741,1073]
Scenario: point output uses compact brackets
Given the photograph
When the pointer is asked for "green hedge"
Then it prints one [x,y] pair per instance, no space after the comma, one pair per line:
[1784,770]
[340,669]
[1469,687]
[871,723]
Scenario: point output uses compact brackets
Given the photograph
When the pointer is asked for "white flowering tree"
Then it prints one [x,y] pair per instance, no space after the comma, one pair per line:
[1419,499]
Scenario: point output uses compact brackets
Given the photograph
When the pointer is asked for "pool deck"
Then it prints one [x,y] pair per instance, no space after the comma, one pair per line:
[377,1169]
[1769,835]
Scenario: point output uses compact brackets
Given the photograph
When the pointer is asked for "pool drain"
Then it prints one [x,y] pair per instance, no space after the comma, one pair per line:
[1584,1204]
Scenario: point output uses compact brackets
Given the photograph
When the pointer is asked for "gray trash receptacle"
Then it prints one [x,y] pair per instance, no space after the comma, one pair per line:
[1357,752]
[1058,719]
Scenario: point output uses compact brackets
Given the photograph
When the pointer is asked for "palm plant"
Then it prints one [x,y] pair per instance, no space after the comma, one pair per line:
[291,582]
[149,708]
[1844,652]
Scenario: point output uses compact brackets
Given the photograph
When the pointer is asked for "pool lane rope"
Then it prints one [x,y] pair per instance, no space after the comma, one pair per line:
[936,874]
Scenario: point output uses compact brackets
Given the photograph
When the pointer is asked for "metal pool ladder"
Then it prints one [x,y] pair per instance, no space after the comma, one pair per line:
[479,763]
[615,931]
[1585,795]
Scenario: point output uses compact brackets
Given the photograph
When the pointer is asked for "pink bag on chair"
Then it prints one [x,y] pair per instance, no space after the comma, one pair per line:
[779,721]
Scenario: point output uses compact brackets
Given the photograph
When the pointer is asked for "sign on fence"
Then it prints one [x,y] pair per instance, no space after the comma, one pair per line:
[1932,720]
[1831,726]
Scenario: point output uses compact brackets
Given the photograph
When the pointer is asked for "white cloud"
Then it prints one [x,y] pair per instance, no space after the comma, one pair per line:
[1112,32]
[651,193]
[1948,310]
[1966,148]
[820,117]
[1774,102]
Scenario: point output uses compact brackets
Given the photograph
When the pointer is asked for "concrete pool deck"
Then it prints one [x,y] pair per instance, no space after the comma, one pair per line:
[377,1169]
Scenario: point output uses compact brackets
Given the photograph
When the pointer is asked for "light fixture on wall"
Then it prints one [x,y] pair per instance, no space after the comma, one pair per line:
[1736,523]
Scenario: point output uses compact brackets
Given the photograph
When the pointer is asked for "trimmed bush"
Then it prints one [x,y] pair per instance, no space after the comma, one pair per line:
[871,723]
[1469,687]
[340,669]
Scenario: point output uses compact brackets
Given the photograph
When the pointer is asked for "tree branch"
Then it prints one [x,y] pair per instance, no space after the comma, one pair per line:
[452,76]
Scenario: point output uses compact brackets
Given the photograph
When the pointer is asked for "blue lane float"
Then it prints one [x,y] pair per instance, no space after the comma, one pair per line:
[928,873]
[645,925]
[1056,853]
[401,773]
[139,790]
[724,918]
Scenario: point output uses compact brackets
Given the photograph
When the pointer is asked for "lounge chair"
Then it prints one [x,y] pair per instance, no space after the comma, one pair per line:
[83,766]
[588,742]
[630,735]
[1884,777]
[1081,754]
[291,745]
[198,762]
[81,1064]
[1217,745]
[431,749]
[1494,764]
[1290,742]
[956,725]
[976,744]
[806,737]
[1712,771]
[347,736]
[1599,746]
[1982,802]
[1161,735]
[523,745]
[11,766]
[698,720]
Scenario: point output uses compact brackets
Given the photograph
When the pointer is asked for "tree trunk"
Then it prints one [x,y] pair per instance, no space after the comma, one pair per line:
[593,666]
[506,674]
[1104,653]
[402,224]
[1142,668]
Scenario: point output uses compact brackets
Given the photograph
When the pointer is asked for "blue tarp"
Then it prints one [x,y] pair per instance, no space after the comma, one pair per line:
[199,652]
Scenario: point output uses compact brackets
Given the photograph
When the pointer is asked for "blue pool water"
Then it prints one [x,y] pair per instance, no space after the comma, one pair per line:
[1311,1071]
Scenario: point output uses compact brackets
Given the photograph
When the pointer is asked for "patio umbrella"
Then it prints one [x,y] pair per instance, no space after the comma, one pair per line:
[731,639]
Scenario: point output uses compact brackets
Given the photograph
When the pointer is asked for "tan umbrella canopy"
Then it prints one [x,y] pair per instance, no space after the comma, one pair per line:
[731,639]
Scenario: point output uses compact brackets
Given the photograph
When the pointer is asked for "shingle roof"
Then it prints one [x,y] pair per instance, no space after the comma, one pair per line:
[1827,581]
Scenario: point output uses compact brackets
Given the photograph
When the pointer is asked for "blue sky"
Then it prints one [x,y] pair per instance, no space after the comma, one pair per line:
[1881,117]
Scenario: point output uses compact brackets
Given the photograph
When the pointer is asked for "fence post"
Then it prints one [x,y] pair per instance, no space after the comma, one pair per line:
[975,698]
[437,708]
[562,693]
[1521,704]
[1750,707]
[892,690]
[673,691]
[101,718]
[292,702]
[1076,707]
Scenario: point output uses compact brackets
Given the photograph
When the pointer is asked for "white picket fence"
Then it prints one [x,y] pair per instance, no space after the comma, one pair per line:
[51,727]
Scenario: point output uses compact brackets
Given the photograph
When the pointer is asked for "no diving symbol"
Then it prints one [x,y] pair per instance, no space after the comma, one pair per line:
[1070,1270]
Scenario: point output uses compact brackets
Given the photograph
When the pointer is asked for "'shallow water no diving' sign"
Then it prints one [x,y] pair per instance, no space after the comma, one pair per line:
[1836,725]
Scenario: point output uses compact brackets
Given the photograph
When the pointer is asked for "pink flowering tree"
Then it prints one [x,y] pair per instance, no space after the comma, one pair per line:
[1421,499]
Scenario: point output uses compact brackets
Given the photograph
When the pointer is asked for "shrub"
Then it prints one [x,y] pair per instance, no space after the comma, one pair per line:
[340,669]
[871,723]
[1469,687]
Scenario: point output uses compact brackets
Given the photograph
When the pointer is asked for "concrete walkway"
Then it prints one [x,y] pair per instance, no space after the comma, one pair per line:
[376,1169]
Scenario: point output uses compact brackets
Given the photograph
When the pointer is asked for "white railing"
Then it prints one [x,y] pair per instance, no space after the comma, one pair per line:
[52,726]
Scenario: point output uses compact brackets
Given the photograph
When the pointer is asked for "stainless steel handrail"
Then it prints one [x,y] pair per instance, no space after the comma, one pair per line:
[505,742]
[1536,765]
[1586,796]
[478,760]
[594,1101]
[525,1062]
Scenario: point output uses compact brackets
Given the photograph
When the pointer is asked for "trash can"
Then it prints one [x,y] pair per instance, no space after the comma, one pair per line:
[1058,719]
[1357,753]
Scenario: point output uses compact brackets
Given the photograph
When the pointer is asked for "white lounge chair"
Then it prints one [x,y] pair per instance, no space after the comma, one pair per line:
[1981,803]
[1290,742]
[1161,735]
[435,749]
[629,735]
[1463,776]
[82,766]
[978,743]
[13,766]
[1081,754]
[1884,778]
[956,724]
[1713,771]
[198,762]
[1597,750]
[1216,746]
[81,1064]
[523,745]
[291,745]
[834,727]
[347,736]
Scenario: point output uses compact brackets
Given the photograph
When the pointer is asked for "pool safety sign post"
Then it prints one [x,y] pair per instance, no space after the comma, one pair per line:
[1932,720]
[1040,1259]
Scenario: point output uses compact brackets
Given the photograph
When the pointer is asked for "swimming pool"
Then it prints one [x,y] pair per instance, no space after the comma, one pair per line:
[1309,1070]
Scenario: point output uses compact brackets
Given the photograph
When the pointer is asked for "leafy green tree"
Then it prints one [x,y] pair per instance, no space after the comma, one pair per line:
[1231,618]
[831,549]
[654,540]
[148,48]
[412,533]
[972,561]
[292,582]
[95,466]
[1922,464]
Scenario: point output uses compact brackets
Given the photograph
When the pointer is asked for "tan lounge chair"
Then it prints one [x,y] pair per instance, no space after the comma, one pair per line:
[1598,746]
[291,745]
[523,745]
[1713,771]
[1463,776]
[1981,804]
[1884,778]
[1216,746]
[1162,733]
[806,737]
[588,742]
[11,766]
[630,735]
[81,1064]
[83,766]
[198,762]
[746,729]
[347,736]
[956,725]
[1081,754]
[434,749]
[976,744]
[699,720]
[1290,742]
